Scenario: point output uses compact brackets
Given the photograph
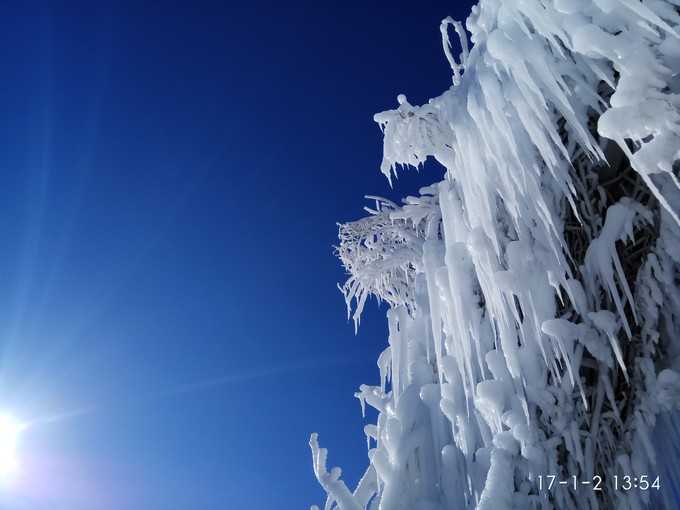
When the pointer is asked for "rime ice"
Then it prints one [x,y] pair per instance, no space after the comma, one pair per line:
[534,322]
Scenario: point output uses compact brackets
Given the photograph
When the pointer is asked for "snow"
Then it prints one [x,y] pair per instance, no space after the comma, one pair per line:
[534,310]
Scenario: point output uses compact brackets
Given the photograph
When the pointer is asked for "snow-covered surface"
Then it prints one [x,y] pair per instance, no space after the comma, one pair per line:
[534,321]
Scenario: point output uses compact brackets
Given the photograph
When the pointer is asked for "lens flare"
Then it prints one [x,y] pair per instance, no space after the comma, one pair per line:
[10,430]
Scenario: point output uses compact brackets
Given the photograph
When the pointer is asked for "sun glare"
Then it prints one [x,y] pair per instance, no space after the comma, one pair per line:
[10,430]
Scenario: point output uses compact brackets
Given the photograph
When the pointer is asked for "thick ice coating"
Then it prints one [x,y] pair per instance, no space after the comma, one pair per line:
[534,321]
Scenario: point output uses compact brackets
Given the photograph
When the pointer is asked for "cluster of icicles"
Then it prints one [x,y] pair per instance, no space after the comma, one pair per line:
[534,293]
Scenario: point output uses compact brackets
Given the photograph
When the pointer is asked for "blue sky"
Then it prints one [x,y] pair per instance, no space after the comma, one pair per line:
[171,175]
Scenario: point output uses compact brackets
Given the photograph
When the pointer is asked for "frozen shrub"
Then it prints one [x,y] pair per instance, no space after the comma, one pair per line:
[534,293]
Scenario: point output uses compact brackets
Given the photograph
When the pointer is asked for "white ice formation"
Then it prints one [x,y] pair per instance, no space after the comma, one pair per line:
[534,293]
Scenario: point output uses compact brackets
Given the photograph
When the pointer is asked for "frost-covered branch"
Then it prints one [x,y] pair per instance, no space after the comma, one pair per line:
[446,44]
[382,253]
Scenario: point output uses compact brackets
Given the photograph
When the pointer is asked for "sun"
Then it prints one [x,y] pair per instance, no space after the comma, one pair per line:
[10,430]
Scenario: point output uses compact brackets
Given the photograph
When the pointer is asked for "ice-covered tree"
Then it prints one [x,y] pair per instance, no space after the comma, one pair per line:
[534,293]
